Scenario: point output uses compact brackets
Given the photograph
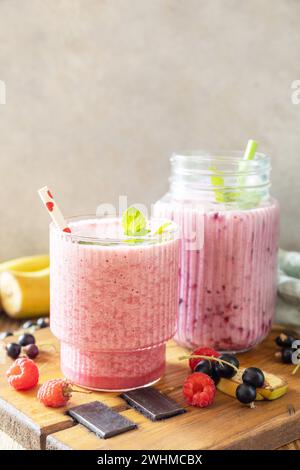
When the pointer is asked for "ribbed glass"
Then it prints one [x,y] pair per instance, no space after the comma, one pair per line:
[228,277]
[113,305]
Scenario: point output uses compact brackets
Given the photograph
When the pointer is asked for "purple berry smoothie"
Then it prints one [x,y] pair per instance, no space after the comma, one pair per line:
[228,287]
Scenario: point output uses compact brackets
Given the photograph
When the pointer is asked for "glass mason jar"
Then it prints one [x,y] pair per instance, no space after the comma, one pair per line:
[230,227]
[113,302]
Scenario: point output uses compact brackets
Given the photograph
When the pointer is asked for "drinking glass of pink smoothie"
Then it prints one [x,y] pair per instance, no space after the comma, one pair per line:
[114,302]
[230,228]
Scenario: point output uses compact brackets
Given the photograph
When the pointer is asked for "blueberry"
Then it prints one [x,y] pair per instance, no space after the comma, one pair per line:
[28,324]
[26,339]
[5,334]
[245,393]
[253,376]
[224,370]
[13,350]
[43,322]
[31,351]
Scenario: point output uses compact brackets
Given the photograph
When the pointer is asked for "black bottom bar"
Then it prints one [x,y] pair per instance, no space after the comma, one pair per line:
[134,459]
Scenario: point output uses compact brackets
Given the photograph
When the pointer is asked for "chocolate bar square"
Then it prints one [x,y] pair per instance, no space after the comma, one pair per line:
[152,403]
[101,419]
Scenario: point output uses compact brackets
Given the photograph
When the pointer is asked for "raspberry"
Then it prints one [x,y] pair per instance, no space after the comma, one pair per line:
[202,352]
[23,374]
[199,390]
[55,393]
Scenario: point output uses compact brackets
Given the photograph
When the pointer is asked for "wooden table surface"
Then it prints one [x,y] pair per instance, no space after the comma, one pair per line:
[63,436]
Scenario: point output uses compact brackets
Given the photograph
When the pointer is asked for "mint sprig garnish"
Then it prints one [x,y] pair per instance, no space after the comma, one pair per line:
[135,225]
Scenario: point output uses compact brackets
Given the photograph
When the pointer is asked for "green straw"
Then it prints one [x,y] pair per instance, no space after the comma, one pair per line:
[249,154]
[250,150]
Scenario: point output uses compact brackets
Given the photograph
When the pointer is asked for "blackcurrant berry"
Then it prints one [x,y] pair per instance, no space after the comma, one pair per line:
[245,393]
[224,370]
[43,322]
[287,355]
[203,366]
[26,339]
[208,367]
[284,340]
[253,376]
[5,334]
[13,350]
[214,374]
[31,351]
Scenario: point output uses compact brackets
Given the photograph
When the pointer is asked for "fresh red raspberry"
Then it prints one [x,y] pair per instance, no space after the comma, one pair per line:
[199,390]
[202,352]
[55,393]
[23,374]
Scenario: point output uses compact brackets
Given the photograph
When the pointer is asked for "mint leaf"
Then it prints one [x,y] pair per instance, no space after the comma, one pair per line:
[241,197]
[217,182]
[134,223]
[162,228]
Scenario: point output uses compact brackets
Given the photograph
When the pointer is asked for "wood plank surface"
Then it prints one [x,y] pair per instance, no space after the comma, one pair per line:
[225,425]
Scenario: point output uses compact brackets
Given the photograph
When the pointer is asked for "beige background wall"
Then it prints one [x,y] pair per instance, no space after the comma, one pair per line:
[99,93]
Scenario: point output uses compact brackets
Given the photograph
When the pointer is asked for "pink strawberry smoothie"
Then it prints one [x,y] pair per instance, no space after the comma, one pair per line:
[113,304]
[228,286]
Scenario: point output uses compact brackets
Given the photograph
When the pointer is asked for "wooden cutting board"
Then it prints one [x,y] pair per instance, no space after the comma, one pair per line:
[225,425]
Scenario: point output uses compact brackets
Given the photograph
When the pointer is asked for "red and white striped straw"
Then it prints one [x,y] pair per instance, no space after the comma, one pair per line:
[53,209]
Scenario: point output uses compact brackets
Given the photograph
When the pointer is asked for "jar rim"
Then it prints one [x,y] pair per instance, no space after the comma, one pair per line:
[216,154]
[229,163]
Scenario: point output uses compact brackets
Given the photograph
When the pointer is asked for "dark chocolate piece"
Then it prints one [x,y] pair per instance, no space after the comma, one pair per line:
[152,404]
[101,419]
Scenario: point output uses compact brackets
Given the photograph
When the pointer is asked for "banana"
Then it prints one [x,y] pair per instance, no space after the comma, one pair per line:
[24,286]
[274,386]
[26,263]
